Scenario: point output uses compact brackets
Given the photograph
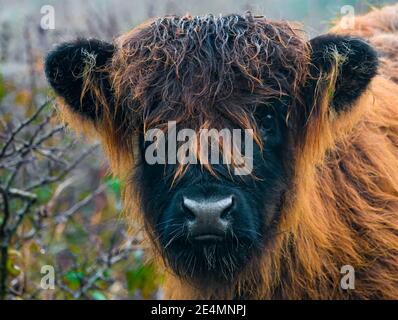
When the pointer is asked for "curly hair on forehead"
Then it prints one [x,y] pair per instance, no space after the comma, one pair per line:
[200,71]
[191,64]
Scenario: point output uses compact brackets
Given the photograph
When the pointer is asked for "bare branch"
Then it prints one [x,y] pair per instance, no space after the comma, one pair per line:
[48,180]
[17,193]
[63,217]
[4,245]
[21,126]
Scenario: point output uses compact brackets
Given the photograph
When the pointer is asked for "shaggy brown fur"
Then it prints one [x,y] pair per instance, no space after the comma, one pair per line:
[343,205]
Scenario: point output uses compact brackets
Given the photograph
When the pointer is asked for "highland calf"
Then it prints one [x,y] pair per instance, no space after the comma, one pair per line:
[323,192]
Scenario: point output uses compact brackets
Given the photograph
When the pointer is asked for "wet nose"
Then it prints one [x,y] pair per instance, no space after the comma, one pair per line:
[208,219]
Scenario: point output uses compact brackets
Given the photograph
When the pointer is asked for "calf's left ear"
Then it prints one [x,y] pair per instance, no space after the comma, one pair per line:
[350,62]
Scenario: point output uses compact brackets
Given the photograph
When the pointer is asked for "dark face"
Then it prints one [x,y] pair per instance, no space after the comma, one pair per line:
[210,226]
[198,71]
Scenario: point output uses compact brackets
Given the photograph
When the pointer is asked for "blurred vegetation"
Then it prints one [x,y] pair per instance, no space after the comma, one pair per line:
[59,206]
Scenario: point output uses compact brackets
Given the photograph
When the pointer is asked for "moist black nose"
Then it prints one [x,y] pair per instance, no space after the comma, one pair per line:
[208,219]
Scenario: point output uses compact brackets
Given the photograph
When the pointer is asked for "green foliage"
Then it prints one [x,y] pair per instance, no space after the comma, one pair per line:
[113,185]
[73,279]
[2,88]
[143,277]
[98,295]
[13,262]
[44,194]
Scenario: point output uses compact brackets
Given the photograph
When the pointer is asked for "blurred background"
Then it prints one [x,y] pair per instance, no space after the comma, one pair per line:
[59,207]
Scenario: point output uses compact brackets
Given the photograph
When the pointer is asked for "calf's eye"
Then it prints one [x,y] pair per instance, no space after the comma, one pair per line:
[267,124]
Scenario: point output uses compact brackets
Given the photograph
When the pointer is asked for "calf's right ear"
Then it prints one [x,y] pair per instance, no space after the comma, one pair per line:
[68,68]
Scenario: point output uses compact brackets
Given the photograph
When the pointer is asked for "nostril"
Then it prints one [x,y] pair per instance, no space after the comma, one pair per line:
[226,212]
[190,215]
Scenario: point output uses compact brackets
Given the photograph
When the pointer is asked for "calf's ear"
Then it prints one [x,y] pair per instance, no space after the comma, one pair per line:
[349,63]
[68,67]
